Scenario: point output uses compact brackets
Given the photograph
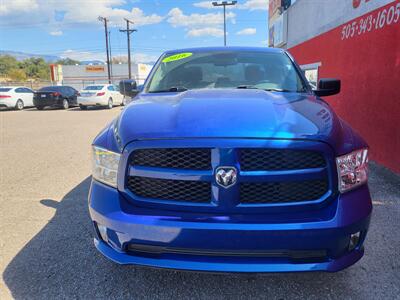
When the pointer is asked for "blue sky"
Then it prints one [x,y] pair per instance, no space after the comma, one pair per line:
[69,28]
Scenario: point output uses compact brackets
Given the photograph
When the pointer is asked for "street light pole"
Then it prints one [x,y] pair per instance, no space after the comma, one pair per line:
[224,4]
[104,20]
[128,33]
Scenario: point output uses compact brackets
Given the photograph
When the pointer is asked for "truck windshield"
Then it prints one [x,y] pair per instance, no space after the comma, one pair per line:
[225,69]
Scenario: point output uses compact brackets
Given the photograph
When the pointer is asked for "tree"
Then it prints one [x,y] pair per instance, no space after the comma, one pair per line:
[7,62]
[120,59]
[67,61]
[31,67]
[36,68]
[16,74]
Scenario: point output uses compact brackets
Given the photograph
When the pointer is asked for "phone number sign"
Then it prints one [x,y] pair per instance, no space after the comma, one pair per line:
[374,21]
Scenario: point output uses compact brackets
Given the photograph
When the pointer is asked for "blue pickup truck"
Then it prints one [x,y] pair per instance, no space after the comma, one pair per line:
[228,161]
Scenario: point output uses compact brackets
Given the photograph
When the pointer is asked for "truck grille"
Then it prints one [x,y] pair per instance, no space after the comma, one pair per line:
[279,159]
[172,190]
[187,175]
[282,192]
[176,158]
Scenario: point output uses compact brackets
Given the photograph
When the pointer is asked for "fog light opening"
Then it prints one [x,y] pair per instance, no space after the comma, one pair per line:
[103,232]
[354,240]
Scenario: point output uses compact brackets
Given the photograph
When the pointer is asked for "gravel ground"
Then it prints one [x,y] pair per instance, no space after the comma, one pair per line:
[46,248]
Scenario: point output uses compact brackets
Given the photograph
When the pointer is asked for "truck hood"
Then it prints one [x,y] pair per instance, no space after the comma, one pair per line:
[228,113]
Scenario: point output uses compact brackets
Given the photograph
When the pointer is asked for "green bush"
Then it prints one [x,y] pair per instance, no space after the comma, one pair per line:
[16,74]
[35,68]
[7,62]
[67,61]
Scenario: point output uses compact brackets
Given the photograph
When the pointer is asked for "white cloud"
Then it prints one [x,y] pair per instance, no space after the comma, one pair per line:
[177,18]
[17,6]
[249,5]
[208,31]
[56,32]
[42,12]
[247,31]
[89,13]
[255,5]
[84,55]
[141,19]
[144,58]
[203,4]
[199,24]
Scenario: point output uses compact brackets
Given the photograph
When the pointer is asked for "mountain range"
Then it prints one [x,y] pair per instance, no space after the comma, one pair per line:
[22,55]
[48,58]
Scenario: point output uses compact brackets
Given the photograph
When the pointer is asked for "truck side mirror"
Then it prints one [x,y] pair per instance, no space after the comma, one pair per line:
[128,87]
[328,87]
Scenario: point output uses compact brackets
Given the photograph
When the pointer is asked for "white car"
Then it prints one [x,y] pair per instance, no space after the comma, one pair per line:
[16,97]
[106,95]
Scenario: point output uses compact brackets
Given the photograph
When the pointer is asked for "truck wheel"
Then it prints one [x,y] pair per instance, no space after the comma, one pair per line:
[19,105]
[123,103]
[110,103]
[65,104]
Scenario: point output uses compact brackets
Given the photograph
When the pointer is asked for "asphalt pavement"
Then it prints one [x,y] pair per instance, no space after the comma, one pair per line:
[46,246]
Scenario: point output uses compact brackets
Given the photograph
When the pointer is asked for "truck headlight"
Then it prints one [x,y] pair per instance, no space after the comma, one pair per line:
[105,166]
[352,169]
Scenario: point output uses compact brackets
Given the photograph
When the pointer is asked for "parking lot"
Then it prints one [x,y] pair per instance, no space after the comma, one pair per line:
[46,245]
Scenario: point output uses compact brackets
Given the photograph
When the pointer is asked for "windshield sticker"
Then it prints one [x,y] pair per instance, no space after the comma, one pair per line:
[176,57]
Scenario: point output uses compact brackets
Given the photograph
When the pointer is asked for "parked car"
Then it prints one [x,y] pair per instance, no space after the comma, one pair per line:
[106,95]
[228,161]
[55,96]
[16,97]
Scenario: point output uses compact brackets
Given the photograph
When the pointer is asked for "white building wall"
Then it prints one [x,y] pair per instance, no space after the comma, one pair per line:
[79,76]
[325,15]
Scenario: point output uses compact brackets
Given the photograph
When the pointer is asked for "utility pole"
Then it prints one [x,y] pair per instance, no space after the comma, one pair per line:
[224,4]
[128,34]
[104,20]
[111,62]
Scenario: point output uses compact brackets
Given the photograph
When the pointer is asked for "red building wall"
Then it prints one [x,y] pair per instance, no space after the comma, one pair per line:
[366,57]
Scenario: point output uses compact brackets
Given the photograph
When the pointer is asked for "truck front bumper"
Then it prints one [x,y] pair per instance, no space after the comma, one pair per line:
[217,243]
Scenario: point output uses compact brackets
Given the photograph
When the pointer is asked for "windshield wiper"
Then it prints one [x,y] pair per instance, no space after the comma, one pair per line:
[268,90]
[177,89]
[244,86]
[279,90]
